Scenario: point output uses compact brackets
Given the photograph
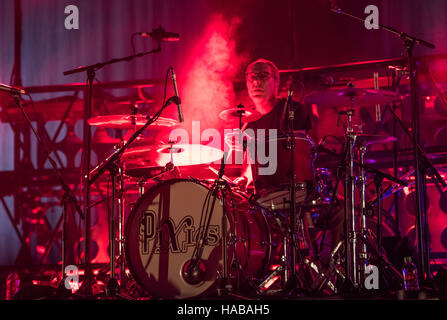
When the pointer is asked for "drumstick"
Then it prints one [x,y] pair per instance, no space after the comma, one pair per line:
[223,176]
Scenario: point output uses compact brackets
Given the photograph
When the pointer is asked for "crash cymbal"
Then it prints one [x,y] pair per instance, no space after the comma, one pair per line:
[344,97]
[182,155]
[125,121]
[235,114]
[367,139]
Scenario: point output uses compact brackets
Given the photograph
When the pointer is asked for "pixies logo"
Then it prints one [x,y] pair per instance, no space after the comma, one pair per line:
[171,237]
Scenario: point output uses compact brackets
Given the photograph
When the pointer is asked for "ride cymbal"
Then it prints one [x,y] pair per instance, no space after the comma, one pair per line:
[356,97]
[125,121]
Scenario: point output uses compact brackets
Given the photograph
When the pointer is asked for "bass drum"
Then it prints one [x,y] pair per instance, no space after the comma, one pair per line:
[164,228]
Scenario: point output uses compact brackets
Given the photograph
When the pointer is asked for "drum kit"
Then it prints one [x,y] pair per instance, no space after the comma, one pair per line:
[187,237]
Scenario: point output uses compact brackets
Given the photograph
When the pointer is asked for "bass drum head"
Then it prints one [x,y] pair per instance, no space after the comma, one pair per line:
[161,234]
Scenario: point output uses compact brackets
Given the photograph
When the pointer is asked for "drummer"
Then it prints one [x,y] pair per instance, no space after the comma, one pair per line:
[262,81]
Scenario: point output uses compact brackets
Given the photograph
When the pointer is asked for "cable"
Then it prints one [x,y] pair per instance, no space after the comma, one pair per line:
[201,228]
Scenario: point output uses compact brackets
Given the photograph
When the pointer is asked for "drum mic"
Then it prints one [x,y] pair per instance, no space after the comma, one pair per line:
[194,271]
[289,102]
[13,90]
[160,34]
[177,102]
[222,167]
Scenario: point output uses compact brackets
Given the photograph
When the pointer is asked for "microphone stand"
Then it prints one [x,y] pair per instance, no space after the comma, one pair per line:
[292,280]
[421,214]
[91,70]
[68,196]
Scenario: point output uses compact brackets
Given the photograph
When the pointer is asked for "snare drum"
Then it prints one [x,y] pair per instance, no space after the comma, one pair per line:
[163,231]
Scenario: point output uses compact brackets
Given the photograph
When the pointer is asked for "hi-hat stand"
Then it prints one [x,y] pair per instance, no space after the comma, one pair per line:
[366,245]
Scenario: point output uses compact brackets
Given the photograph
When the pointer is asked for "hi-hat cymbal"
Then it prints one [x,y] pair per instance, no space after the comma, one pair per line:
[235,114]
[125,121]
[182,155]
[367,139]
[356,97]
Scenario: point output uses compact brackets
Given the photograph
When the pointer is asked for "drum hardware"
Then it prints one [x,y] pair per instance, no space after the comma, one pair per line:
[91,71]
[341,168]
[113,164]
[421,161]
[363,255]
[350,223]
[290,276]
[355,262]
[324,277]
[293,234]
[121,219]
[193,273]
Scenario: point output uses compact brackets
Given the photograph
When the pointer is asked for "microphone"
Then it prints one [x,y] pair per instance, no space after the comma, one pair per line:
[160,34]
[289,102]
[14,90]
[376,86]
[222,167]
[177,102]
[194,271]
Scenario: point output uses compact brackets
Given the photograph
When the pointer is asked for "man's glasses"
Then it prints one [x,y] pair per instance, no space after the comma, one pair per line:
[260,76]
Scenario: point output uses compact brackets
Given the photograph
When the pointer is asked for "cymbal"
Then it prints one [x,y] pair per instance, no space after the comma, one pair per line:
[234,114]
[126,121]
[368,139]
[358,97]
[182,155]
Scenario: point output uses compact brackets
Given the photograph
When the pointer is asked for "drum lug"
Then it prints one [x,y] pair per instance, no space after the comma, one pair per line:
[232,239]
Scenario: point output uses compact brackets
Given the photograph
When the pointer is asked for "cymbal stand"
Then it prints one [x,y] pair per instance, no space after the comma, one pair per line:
[350,225]
[363,255]
[121,212]
[112,285]
[110,164]
[420,158]
[291,277]
[91,71]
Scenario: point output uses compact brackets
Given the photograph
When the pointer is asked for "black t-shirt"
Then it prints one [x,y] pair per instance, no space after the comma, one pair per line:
[278,119]
[272,120]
